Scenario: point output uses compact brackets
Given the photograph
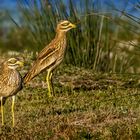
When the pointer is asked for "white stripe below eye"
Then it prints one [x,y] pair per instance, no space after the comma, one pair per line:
[12,66]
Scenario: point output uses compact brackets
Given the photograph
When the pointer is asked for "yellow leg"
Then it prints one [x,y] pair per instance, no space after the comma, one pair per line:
[48,83]
[2,112]
[13,115]
[51,83]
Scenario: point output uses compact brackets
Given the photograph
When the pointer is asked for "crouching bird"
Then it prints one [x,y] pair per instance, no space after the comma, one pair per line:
[51,56]
[10,83]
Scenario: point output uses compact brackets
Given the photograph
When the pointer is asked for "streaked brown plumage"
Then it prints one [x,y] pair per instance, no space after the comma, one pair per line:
[10,82]
[51,56]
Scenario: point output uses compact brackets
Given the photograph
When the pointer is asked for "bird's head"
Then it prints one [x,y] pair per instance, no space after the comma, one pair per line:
[14,63]
[65,26]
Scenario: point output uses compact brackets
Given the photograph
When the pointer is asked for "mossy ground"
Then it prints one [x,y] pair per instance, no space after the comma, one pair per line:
[85,106]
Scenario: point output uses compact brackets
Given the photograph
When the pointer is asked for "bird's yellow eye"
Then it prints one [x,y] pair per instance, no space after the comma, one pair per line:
[65,24]
[12,60]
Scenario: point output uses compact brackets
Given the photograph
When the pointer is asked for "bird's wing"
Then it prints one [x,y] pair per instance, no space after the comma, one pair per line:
[49,50]
[3,78]
[4,87]
[44,60]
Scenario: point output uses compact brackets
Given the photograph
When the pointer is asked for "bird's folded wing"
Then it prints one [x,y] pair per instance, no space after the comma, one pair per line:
[49,50]
[3,79]
[45,52]
[4,83]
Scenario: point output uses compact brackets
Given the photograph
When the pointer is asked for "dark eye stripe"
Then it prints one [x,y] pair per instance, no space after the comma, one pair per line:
[65,24]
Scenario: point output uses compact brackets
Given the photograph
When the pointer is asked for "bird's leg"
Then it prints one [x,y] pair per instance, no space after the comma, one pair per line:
[51,83]
[13,115]
[48,83]
[2,112]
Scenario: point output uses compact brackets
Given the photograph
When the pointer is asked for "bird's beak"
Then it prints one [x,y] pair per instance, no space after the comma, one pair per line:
[20,63]
[72,25]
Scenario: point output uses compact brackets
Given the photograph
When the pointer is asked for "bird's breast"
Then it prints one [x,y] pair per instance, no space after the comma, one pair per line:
[11,84]
[15,82]
[14,78]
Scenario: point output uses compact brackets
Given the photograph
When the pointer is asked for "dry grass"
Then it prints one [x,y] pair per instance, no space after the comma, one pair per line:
[108,110]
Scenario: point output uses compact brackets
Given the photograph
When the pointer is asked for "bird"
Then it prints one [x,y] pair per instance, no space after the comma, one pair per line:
[51,56]
[10,83]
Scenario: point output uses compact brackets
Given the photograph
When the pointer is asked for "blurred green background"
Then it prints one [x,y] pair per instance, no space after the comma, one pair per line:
[105,40]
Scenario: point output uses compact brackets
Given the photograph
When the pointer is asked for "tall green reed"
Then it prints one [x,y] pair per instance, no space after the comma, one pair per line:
[93,44]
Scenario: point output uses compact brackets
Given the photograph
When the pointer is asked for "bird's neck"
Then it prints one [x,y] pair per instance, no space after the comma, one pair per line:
[10,70]
[60,35]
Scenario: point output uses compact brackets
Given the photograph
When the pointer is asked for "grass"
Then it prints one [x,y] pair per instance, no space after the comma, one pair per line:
[85,106]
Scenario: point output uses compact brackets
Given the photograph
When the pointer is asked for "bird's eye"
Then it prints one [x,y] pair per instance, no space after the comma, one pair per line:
[12,61]
[65,24]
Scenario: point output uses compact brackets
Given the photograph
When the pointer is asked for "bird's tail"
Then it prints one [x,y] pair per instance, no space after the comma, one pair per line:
[29,76]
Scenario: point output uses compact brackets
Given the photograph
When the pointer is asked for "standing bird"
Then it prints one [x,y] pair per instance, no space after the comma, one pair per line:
[10,83]
[51,56]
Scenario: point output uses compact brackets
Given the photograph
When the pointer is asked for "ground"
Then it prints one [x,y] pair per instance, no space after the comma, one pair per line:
[86,105]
